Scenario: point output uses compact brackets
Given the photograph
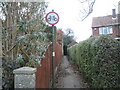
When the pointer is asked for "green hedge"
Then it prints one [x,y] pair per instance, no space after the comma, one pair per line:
[99,59]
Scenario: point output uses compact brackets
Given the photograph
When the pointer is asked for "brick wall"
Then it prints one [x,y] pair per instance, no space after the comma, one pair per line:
[116,31]
[60,36]
[95,31]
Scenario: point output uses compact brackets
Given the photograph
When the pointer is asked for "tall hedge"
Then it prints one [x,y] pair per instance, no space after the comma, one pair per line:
[99,59]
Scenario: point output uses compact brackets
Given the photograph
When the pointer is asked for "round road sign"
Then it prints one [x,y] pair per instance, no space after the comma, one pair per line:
[52,18]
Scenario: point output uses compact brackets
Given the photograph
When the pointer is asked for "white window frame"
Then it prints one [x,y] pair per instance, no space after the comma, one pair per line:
[105,30]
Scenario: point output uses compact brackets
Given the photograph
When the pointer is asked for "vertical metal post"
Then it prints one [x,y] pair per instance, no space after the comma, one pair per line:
[53,54]
[52,18]
[0,54]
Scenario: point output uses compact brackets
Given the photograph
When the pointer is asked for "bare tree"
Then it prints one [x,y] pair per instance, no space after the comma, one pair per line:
[69,32]
[68,36]
[86,8]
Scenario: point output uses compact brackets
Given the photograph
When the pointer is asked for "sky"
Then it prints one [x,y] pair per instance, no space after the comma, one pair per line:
[70,16]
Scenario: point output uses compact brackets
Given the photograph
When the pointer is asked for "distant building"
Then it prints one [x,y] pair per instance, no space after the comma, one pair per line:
[72,43]
[60,36]
[107,25]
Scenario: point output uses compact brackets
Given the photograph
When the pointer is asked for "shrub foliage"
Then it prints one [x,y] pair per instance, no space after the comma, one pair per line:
[24,36]
[99,59]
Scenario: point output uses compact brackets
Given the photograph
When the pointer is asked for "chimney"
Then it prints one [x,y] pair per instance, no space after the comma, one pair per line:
[113,13]
[119,7]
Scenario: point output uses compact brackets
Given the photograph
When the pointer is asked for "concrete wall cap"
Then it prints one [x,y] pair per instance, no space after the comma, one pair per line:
[25,70]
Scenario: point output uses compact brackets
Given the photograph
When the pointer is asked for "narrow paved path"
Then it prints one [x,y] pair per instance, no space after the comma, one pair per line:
[68,76]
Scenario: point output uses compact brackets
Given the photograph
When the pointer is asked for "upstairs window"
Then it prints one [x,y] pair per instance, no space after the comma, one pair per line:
[105,30]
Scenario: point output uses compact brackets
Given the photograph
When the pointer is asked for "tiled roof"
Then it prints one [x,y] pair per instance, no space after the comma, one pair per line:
[105,21]
[72,43]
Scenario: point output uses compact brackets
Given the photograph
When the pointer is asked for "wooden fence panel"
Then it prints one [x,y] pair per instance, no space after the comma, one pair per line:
[43,74]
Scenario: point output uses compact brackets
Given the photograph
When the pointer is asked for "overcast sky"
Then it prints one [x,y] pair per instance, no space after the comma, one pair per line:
[69,13]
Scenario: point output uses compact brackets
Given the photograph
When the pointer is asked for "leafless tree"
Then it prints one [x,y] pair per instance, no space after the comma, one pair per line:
[86,8]
[68,36]
[69,32]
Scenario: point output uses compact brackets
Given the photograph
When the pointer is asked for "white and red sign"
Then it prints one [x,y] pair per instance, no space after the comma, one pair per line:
[52,18]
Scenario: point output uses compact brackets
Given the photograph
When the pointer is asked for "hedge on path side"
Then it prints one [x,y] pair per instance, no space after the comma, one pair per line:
[99,59]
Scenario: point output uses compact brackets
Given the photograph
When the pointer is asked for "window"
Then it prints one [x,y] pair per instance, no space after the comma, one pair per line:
[105,30]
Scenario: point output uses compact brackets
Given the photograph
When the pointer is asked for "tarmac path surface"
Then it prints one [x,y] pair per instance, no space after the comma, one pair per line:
[68,76]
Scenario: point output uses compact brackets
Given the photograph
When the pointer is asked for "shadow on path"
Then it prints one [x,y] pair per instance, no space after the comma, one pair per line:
[68,76]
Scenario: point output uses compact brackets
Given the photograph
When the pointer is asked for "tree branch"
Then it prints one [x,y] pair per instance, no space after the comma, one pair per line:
[27,56]
[88,10]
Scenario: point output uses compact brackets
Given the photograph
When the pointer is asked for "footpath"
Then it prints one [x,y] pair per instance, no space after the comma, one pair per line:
[68,76]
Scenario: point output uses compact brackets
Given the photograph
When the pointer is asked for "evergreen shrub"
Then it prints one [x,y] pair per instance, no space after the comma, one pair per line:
[99,59]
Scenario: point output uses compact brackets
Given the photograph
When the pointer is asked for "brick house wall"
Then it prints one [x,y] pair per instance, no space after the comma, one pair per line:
[95,31]
[60,36]
[106,21]
[115,28]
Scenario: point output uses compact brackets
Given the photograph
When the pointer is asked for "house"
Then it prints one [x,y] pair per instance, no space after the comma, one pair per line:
[71,44]
[60,36]
[107,25]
